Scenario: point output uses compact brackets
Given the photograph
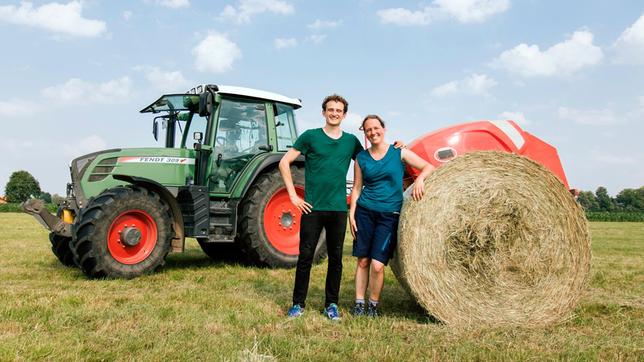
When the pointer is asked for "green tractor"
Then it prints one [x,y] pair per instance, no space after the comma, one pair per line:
[215,180]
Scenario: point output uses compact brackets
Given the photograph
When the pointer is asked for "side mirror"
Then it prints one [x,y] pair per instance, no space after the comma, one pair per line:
[197,136]
[205,104]
[155,129]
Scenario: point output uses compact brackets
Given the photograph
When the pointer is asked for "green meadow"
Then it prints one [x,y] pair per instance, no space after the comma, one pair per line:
[200,309]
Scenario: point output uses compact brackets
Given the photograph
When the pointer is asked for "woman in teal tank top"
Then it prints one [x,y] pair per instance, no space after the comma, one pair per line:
[376,200]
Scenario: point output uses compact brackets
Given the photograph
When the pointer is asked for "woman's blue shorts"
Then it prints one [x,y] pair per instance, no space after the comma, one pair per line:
[377,234]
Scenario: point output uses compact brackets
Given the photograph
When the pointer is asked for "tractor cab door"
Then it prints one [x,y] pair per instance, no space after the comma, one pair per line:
[241,133]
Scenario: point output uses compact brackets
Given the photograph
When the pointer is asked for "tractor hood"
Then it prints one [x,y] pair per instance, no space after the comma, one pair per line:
[93,173]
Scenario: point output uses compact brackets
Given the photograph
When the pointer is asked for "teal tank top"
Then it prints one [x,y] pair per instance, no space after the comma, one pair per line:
[382,181]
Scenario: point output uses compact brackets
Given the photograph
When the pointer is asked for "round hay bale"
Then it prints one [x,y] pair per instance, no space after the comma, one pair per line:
[497,240]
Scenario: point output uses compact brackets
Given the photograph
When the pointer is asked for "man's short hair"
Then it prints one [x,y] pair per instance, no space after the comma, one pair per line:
[335,98]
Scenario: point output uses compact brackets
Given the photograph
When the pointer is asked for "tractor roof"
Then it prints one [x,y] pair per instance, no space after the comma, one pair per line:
[247,92]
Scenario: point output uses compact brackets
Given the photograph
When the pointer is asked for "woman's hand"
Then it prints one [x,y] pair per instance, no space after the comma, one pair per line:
[419,189]
[353,226]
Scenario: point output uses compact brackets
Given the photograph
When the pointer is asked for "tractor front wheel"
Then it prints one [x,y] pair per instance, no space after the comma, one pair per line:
[61,248]
[270,223]
[122,233]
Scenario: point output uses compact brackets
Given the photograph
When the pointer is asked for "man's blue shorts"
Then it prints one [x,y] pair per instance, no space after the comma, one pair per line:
[377,234]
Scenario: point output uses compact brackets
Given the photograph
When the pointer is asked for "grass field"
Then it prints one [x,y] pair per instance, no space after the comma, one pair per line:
[197,309]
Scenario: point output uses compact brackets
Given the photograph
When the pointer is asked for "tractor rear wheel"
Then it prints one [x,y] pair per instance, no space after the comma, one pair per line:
[60,247]
[122,233]
[270,224]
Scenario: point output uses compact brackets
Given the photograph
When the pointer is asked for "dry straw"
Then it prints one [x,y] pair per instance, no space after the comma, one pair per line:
[497,240]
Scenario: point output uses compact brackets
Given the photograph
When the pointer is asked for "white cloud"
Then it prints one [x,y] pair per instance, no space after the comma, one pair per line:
[16,107]
[127,15]
[404,17]
[472,11]
[86,145]
[566,57]
[316,38]
[352,123]
[166,81]
[464,11]
[476,84]
[172,4]
[630,44]
[281,43]
[246,9]
[323,24]
[518,117]
[60,18]
[445,89]
[78,90]
[216,54]
[590,117]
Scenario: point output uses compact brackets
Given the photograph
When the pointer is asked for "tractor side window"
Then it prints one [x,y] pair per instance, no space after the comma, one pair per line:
[196,124]
[284,125]
[241,131]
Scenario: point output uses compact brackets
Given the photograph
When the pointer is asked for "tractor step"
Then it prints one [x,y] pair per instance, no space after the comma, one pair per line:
[223,221]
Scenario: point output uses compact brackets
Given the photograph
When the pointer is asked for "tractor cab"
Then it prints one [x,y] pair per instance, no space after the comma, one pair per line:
[227,127]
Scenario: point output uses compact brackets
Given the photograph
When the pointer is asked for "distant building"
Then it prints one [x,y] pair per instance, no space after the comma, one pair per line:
[3,200]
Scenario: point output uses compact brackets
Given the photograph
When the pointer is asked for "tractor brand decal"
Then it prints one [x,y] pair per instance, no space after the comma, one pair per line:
[157,160]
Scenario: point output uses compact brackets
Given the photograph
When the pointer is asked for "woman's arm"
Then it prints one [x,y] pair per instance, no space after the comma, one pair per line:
[355,194]
[425,168]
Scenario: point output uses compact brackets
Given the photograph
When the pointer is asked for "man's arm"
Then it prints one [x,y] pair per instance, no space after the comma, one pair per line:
[285,171]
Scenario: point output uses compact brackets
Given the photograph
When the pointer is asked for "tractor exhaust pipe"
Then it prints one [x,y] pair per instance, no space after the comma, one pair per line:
[37,209]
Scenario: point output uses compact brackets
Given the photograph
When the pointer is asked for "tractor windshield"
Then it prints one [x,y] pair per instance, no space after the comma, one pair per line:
[173,102]
[178,119]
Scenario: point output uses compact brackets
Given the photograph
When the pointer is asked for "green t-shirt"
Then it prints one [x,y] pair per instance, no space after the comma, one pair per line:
[327,162]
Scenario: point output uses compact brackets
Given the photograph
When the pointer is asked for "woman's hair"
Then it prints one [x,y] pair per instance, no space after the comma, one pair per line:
[372,116]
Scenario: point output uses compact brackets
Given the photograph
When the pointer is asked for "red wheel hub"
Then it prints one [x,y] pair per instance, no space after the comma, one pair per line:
[282,222]
[132,236]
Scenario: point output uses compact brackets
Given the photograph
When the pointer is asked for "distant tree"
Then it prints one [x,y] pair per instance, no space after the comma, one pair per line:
[45,196]
[588,201]
[21,186]
[630,199]
[57,199]
[603,198]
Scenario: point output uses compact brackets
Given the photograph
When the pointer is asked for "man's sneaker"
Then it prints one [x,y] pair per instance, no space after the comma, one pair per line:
[359,310]
[295,311]
[372,310]
[331,312]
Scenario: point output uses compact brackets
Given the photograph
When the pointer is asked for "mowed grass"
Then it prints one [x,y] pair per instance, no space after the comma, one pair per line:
[198,309]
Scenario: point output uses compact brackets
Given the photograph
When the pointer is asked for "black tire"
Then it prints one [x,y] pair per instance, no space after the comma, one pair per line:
[60,246]
[90,233]
[252,233]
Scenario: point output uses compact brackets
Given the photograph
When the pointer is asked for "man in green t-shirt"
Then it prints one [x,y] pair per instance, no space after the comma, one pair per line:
[328,152]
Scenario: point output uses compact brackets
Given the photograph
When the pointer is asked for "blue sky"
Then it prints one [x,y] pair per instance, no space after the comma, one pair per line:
[75,74]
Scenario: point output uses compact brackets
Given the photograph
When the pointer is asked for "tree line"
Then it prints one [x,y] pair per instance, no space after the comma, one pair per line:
[22,186]
[627,200]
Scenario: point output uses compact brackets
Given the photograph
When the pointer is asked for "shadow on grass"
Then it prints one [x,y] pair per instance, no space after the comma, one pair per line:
[195,259]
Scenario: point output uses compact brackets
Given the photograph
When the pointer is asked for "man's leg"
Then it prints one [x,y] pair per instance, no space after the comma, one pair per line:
[335,225]
[310,229]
